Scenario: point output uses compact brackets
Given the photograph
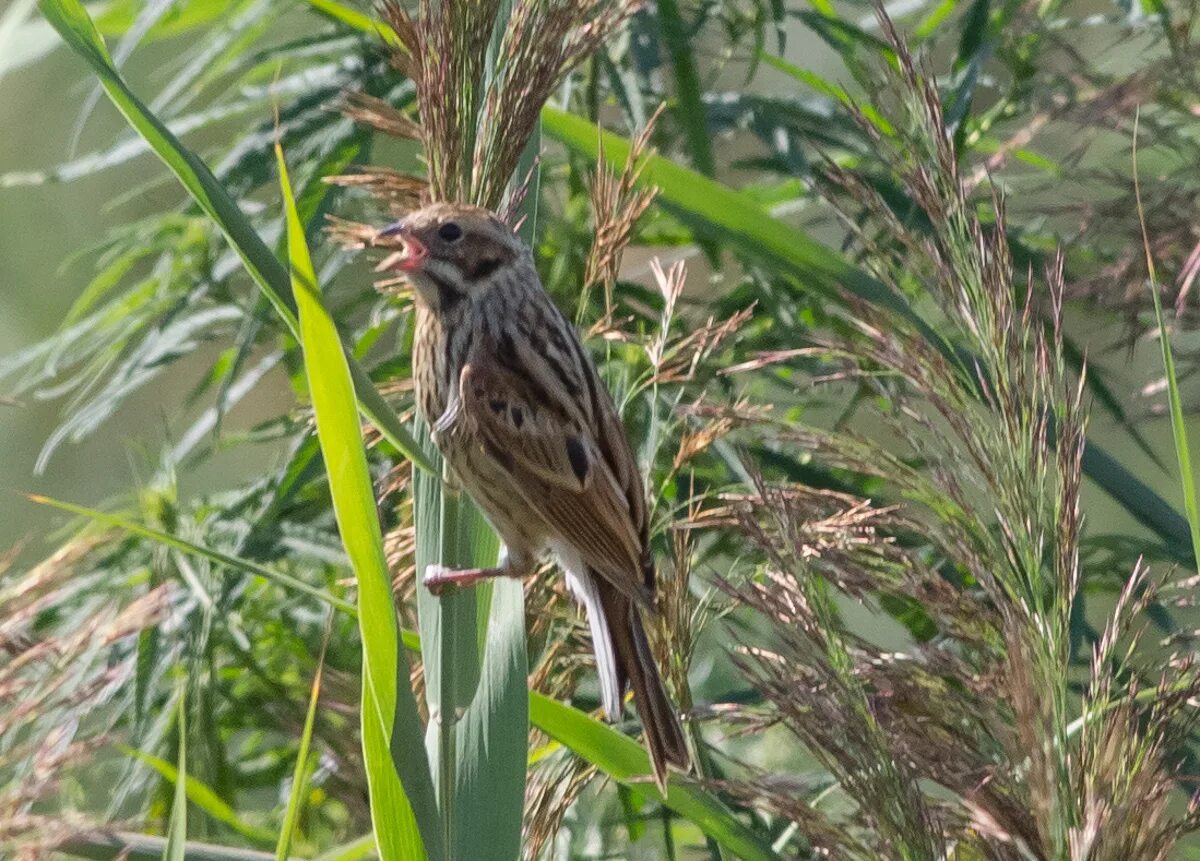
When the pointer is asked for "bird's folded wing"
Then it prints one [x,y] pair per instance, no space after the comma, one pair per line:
[559,469]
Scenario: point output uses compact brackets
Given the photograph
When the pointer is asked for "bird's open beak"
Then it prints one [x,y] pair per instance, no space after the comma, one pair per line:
[411,254]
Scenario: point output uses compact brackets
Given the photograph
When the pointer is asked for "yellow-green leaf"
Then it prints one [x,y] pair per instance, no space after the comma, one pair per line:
[403,803]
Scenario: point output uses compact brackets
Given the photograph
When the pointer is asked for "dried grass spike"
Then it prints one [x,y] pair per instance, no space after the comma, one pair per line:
[617,204]
[353,235]
[402,191]
[379,115]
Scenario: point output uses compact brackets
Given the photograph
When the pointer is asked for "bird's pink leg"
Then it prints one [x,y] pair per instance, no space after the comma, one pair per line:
[438,577]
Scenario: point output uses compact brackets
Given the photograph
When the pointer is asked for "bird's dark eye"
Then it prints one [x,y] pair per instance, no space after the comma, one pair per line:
[450,232]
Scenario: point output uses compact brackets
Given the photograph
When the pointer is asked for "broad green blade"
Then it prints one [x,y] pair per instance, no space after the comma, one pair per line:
[474,652]
[300,775]
[177,543]
[1179,430]
[450,650]
[451,532]
[71,20]
[626,761]
[493,735]
[403,804]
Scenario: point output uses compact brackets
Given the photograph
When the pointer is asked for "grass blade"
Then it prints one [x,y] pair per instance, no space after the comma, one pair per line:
[184,546]
[124,846]
[202,795]
[626,761]
[356,20]
[493,734]
[403,803]
[72,22]
[1179,435]
[175,847]
[300,775]
[355,850]
[448,530]
[826,88]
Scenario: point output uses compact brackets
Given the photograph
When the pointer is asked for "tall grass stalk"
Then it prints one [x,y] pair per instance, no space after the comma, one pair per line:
[403,805]
[1179,433]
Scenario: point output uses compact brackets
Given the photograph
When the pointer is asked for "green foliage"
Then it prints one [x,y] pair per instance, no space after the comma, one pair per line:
[894,632]
[77,29]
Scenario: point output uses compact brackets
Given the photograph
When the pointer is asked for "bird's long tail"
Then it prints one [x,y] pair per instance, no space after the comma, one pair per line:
[631,662]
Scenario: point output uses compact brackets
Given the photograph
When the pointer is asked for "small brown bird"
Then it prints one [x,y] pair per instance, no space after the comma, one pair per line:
[521,416]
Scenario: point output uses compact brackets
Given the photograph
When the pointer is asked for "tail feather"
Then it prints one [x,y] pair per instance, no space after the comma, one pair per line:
[634,665]
[586,590]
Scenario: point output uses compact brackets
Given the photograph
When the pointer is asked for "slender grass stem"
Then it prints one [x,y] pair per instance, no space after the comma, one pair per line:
[113,845]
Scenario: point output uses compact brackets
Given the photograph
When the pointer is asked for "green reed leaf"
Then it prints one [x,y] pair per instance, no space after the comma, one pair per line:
[356,20]
[1183,451]
[355,850]
[125,846]
[626,761]
[202,795]
[403,802]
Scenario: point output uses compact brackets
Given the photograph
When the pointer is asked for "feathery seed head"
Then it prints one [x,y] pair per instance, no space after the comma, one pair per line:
[478,112]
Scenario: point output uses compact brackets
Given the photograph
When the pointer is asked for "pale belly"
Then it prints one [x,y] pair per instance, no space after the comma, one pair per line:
[523,531]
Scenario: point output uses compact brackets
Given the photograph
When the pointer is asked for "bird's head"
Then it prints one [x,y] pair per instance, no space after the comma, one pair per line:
[451,252]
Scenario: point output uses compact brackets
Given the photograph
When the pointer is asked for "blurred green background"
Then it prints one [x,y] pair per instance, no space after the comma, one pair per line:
[47,230]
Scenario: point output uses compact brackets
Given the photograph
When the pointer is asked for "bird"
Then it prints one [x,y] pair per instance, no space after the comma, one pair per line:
[530,432]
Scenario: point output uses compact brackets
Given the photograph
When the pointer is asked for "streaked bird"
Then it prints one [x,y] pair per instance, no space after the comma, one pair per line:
[519,413]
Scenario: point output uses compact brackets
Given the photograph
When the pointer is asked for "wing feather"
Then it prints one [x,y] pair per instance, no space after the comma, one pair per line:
[558,467]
